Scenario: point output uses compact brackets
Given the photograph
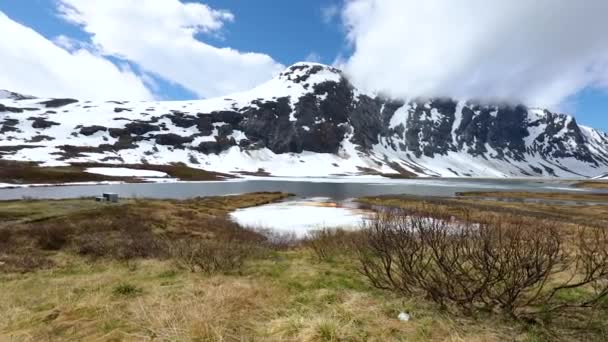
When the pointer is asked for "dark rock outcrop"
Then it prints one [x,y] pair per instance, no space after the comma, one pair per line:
[171,139]
[9,109]
[42,123]
[90,130]
[54,103]
[324,113]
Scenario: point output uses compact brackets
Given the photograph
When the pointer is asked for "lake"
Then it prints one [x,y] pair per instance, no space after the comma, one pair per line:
[318,203]
[334,188]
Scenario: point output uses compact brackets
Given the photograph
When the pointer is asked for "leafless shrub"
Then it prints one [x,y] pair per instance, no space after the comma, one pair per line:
[24,262]
[18,257]
[330,243]
[5,235]
[226,230]
[122,245]
[51,237]
[93,245]
[514,268]
[282,241]
[273,239]
[211,256]
[5,239]
[589,262]
[142,244]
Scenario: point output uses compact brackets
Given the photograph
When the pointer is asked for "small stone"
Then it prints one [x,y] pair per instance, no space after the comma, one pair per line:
[403,317]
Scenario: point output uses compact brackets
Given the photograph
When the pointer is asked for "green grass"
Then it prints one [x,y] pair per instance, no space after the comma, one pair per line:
[33,210]
[292,297]
[126,289]
[284,294]
[39,210]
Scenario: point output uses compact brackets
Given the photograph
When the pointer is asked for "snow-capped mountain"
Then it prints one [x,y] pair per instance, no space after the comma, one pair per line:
[307,121]
[5,94]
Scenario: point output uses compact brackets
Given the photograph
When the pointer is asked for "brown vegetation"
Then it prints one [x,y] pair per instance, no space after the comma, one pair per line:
[16,172]
[593,184]
[523,195]
[175,170]
[516,269]
[487,209]
[132,230]
[328,244]
[179,270]
[211,257]
[30,173]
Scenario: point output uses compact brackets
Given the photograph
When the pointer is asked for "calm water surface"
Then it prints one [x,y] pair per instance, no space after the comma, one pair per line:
[318,203]
[331,188]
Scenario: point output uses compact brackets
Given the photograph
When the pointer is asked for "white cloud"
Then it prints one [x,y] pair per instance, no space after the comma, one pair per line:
[329,12]
[538,52]
[159,36]
[31,64]
[313,57]
[67,43]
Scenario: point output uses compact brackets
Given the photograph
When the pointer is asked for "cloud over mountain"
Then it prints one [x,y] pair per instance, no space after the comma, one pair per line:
[161,37]
[539,52]
[34,65]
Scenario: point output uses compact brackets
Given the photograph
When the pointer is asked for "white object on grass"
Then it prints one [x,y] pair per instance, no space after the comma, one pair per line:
[403,316]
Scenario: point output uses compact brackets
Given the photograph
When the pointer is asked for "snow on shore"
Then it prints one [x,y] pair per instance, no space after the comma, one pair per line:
[299,217]
[125,172]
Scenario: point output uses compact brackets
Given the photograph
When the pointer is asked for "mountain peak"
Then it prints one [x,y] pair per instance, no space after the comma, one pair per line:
[302,71]
[307,121]
[5,94]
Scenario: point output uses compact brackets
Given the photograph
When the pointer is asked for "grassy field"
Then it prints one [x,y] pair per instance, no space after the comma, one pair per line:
[593,184]
[484,206]
[287,296]
[560,196]
[67,288]
[14,172]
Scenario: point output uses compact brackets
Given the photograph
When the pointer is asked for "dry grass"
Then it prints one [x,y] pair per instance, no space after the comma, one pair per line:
[560,196]
[593,184]
[129,230]
[16,172]
[488,209]
[35,210]
[177,170]
[283,295]
[290,298]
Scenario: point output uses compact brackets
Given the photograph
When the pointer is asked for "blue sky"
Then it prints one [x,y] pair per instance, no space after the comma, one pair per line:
[281,32]
[289,31]
[590,107]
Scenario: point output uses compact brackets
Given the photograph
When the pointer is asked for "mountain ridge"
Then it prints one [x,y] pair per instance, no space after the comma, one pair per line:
[308,121]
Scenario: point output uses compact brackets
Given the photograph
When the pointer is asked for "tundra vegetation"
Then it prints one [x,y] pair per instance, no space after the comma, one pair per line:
[473,268]
[594,184]
[19,172]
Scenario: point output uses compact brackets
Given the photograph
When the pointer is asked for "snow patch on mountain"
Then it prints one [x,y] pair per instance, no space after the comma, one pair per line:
[125,172]
[5,94]
[309,121]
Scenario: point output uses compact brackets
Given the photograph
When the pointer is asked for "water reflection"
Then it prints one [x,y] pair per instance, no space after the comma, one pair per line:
[317,188]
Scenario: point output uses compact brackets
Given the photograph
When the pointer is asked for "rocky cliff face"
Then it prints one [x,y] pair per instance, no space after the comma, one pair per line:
[308,121]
